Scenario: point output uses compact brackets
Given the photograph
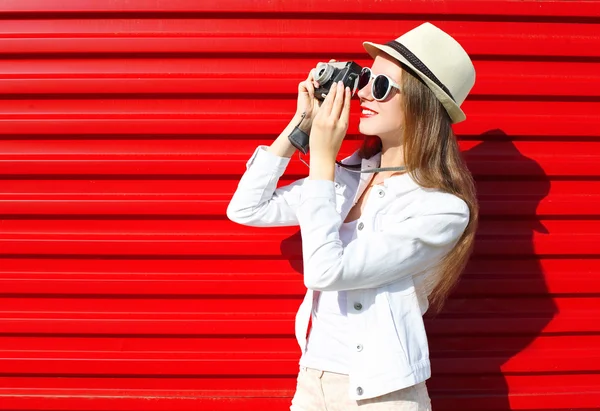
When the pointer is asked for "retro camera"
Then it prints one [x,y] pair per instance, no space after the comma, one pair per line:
[328,73]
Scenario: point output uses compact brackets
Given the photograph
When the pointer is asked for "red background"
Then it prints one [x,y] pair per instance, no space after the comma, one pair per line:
[125,126]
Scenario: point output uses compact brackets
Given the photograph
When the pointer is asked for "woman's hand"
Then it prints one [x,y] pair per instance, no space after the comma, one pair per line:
[307,103]
[328,131]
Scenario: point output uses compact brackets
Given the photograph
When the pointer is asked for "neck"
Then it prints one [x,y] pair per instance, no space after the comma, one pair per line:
[391,156]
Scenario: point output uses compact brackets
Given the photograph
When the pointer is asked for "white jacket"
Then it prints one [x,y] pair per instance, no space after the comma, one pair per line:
[403,232]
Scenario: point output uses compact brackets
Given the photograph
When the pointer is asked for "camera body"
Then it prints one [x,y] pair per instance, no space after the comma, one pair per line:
[328,73]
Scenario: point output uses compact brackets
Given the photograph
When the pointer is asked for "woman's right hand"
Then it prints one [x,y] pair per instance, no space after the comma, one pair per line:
[307,103]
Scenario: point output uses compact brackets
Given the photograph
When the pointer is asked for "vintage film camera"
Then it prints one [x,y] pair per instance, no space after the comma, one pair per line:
[326,74]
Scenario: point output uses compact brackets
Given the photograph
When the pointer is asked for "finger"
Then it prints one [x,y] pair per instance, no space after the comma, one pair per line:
[305,86]
[332,60]
[308,88]
[328,102]
[302,86]
[338,103]
[310,79]
[345,117]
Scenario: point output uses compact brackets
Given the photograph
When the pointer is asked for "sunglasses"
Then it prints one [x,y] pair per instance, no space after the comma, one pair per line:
[381,86]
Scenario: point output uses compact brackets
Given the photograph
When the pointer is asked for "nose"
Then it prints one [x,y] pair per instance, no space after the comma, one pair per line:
[365,92]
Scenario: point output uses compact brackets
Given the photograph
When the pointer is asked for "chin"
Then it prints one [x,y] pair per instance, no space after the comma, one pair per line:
[367,129]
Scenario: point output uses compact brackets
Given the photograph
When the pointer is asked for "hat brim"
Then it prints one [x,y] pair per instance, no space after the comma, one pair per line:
[454,111]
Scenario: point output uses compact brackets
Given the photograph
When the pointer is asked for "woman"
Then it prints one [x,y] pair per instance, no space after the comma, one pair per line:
[378,247]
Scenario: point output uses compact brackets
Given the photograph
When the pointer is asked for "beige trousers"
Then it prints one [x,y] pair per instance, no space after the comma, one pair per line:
[326,391]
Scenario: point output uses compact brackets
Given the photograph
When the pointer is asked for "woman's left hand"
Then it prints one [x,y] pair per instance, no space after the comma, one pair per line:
[328,131]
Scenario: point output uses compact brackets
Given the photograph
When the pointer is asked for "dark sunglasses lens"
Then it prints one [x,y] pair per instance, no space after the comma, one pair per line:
[380,87]
[364,78]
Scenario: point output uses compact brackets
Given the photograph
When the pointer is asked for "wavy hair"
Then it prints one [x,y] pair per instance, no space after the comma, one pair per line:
[433,159]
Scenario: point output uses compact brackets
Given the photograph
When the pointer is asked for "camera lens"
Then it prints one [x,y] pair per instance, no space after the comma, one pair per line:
[323,72]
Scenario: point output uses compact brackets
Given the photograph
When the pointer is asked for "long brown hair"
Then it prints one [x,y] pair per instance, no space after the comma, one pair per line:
[433,159]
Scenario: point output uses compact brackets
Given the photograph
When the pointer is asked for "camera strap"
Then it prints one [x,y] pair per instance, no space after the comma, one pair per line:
[299,139]
[355,168]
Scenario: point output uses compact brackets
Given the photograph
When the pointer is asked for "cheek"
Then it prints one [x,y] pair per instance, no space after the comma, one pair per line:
[389,119]
[399,112]
[393,116]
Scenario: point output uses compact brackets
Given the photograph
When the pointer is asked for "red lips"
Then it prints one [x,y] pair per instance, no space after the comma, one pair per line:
[365,115]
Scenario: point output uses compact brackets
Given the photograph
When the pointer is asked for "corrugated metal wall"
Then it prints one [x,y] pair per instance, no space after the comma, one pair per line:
[125,126]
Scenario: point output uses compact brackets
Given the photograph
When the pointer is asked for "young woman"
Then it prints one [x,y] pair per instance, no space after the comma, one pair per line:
[382,244]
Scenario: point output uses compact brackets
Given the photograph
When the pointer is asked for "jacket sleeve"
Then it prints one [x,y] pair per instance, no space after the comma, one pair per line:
[403,248]
[257,202]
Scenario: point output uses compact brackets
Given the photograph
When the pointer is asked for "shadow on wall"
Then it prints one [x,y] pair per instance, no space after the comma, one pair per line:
[479,341]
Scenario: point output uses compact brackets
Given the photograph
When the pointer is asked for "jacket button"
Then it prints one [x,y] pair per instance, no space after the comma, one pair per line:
[381,193]
[361,226]
[359,391]
[357,306]
[359,347]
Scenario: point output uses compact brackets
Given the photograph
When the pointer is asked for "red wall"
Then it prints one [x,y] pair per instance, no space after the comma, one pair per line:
[125,126]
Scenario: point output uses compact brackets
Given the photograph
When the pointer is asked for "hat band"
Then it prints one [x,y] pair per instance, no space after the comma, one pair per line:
[419,65]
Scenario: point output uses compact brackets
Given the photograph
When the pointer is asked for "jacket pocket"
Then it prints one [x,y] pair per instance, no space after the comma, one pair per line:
[408,322]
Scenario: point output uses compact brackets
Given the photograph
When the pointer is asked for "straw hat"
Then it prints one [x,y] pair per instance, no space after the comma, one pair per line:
[436,58]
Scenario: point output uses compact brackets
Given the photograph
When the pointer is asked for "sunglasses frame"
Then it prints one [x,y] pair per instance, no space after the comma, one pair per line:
[391,83]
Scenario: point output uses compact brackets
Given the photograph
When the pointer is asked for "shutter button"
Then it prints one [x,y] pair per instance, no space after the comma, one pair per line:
[361,226]
[357,306]
[359,391]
